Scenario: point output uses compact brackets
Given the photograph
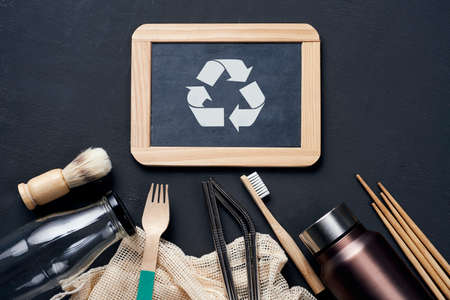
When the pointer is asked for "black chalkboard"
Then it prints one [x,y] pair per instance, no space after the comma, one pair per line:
[184,75]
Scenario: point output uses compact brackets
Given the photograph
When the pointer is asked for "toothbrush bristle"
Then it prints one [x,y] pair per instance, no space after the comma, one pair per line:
[258,185]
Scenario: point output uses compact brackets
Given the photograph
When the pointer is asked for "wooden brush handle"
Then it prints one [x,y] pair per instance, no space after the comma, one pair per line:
[299,259]
[287,242]
[43,188]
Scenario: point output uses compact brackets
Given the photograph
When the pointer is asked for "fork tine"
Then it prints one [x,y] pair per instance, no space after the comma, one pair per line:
[161,194]
[155,198]
[166,200]
[150,195]
[148,202]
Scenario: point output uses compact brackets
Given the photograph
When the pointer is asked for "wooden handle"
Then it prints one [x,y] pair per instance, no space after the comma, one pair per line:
[409,255]
[287,242]
[43,189]
[151,248]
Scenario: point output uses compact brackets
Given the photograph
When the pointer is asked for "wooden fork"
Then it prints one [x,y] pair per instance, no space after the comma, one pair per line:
[155,220]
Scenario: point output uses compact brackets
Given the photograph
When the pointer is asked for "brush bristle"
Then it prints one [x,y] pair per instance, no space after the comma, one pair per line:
[258,185]
[89,165]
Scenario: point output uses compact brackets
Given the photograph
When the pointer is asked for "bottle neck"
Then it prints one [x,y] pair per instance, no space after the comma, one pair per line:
[354,233]
[120,230]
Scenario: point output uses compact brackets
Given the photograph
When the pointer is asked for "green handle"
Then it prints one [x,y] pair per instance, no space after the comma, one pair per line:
[145,289]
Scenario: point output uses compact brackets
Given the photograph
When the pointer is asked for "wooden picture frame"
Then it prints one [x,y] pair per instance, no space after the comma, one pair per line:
[142,150]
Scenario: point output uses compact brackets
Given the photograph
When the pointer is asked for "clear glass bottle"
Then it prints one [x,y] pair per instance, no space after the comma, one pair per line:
[36,257]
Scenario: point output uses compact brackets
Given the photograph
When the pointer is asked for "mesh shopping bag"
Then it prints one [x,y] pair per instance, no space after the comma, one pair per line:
[179,276]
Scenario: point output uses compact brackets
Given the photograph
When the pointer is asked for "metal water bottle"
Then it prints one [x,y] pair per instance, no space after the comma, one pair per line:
[37,256]
[357,263]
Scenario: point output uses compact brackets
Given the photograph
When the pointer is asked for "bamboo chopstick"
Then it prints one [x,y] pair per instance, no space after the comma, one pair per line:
[429,282]
[422,237]
[437,279]
[418,243]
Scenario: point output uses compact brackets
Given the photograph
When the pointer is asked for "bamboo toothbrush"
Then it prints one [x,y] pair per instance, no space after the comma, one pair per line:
[89,165]
[258,190]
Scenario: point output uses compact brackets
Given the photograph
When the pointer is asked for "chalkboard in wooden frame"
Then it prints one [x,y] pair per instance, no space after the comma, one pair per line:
[308,151]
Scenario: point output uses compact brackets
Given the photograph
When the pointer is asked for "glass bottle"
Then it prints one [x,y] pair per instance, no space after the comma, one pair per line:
[36,257]
[357,263]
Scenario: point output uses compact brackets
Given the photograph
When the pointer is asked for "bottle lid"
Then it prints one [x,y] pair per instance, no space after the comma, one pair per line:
[328,228]
[121,213]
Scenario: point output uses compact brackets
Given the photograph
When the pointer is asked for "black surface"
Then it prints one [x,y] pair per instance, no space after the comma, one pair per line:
[276,69]
[65,85]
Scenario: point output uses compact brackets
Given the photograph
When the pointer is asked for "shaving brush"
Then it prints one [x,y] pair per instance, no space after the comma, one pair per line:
[89,165]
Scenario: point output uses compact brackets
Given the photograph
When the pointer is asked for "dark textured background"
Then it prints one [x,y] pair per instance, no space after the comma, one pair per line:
[65,85]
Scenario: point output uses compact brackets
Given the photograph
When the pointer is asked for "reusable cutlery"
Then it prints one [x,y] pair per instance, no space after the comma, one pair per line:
[155,220]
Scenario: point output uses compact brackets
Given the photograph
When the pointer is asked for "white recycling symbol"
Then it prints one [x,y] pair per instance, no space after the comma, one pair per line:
[215,117]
